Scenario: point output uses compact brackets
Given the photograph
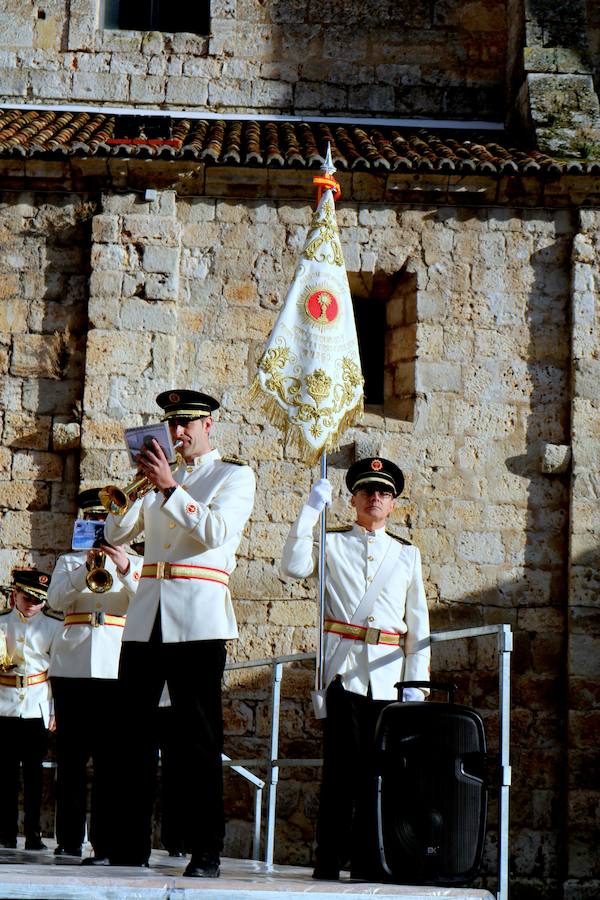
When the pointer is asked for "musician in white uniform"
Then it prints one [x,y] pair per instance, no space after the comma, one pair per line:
[84,673]
[28,632]
[365,656]
[178,624]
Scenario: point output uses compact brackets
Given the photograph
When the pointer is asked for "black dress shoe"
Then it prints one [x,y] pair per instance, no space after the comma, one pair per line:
[9,843]
[323,872]
[95,861]
[202,867]
[35,843]
[67,851]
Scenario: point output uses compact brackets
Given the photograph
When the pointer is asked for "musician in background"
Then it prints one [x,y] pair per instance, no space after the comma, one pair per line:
[93,589]
[178,624]
[27,638]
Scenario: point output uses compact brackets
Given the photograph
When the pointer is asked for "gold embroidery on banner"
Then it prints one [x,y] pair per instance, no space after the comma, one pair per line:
[317,384]
[327,234]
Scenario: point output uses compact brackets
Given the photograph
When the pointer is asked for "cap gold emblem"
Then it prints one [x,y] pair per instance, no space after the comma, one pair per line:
[174,398]
[43,579]
[376,465]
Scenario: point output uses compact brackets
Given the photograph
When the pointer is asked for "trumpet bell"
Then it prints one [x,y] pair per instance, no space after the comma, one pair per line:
[113,499]
[99,580]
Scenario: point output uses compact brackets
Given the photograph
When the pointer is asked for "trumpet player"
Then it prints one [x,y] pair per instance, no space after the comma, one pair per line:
[93,589]
[178,624]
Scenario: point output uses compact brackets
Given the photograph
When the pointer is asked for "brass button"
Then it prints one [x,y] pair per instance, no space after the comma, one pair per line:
[98,606]
[370,578]
[189,469]
[21,696]
[21,639]
[172,525]
[370,558]
[166,546]
[371,540]
[370,618]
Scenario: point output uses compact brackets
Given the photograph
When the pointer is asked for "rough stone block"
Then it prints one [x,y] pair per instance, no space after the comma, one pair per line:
[36,354]
[124,353]
[13,312]
[65,436]
[24,495]
[105,229]
[26,432]
[99,86]
[42,530]
[36,465]
[161,259]
[162,287]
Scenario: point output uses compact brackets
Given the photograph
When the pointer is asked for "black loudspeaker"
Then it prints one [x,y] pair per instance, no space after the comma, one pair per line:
[432,792]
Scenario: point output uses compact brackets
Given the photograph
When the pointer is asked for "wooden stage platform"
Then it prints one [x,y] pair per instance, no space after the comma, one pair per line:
[39,876]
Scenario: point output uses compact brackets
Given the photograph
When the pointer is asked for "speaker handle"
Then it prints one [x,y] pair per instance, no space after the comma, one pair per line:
[446,686]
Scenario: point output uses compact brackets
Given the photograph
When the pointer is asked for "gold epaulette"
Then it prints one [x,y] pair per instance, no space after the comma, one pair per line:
[334,529]
[398,538]
[235,460]
[53,613]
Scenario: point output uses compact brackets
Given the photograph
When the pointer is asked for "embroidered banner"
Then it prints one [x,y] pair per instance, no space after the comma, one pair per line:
[309,378]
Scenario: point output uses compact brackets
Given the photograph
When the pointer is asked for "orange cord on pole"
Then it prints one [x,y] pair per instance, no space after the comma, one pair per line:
[324,182]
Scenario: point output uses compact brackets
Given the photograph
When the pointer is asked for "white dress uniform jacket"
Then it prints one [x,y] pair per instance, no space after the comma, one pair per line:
[352,559]
[30,645]
[201,524]
[90,650]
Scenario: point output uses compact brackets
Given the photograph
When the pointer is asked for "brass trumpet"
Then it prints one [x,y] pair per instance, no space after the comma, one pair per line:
[98,579]
[117,500]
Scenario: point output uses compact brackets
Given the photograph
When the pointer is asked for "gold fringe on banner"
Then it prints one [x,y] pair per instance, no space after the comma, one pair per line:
[294,433]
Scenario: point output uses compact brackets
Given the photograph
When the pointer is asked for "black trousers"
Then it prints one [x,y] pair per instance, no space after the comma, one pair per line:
[346,822]
[86,712]
[172,781]
[193,671]
[22,741]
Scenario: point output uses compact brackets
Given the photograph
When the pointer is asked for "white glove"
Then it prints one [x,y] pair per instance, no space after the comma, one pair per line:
[320,495]
[412,695]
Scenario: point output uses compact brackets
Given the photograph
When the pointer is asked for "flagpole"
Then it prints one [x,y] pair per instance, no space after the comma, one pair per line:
[328,170]
[320,675]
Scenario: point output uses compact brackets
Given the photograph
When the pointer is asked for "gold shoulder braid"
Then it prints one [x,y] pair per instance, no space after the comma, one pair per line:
[335,529]
[235,460]
[53,613]
[398,538]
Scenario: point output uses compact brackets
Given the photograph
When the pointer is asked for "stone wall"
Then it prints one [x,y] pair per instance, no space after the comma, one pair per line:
[443,58]
[584,618]
[44,268]
[185,291]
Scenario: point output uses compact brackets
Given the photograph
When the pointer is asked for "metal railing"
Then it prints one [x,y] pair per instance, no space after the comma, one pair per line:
[504,646]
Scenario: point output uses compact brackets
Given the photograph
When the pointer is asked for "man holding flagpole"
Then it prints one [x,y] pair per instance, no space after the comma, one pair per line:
[310,383]
[376,630]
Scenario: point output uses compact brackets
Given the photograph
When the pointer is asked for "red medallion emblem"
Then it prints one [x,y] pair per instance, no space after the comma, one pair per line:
[174,398]
[322,307]
[191,507]
[43,579]
[376,465]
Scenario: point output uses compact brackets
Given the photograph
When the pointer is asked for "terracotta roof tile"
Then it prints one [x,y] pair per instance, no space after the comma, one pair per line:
[280,144]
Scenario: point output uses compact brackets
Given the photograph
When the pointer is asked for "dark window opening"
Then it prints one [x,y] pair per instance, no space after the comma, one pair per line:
[157,15]
[370,326]
[385,310]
